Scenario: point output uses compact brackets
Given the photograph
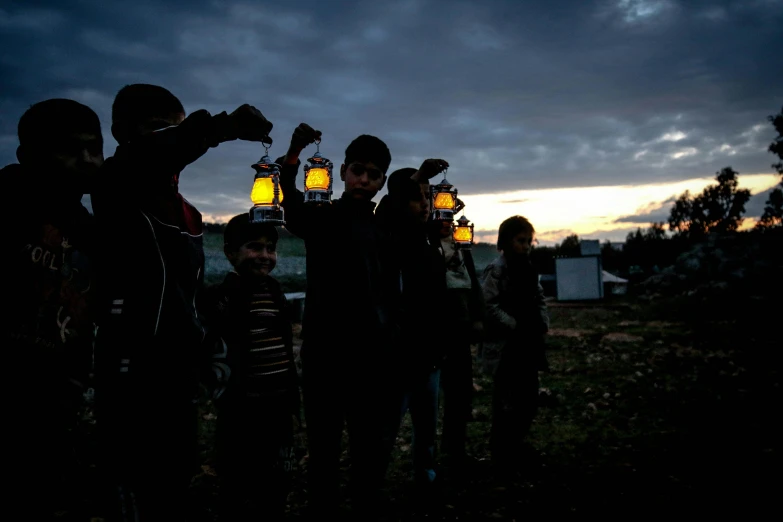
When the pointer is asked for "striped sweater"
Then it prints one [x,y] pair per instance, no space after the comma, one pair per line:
[249,335]
[266,360]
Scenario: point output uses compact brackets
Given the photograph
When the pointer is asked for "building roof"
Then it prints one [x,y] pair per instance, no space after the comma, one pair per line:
[610,278]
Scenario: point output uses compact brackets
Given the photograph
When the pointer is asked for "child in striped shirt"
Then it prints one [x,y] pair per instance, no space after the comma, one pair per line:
[258,390]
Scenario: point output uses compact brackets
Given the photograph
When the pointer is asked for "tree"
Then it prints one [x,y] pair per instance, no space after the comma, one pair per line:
[543,258]
[650,248]
[773,211]
[719,208]
[569,247]
[611,257]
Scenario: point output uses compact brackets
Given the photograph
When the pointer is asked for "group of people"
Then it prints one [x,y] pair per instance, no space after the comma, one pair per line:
[113,301]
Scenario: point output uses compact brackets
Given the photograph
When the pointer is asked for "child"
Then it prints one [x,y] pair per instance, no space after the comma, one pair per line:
[349,323]
[419,356]
[152,265]
[464,304]
[259,405]
[48,328]
[517,317]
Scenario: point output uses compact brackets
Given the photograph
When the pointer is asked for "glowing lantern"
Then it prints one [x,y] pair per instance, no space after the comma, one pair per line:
[462,232]
[266,194]
[318,178]
[443,200]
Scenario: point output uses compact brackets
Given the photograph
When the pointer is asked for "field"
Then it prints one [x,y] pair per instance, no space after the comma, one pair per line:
[290,269]
[641,415]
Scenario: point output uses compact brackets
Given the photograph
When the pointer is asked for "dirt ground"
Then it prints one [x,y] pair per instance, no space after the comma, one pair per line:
[640,415]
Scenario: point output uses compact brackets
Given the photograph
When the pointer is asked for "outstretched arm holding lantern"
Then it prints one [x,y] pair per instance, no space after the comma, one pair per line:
[298,215]
[429,169]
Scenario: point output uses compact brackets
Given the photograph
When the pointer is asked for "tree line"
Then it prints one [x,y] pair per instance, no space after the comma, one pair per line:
[718,210]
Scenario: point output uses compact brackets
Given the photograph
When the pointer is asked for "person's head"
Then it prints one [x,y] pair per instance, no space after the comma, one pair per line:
[61,141]
[367,159]
[442,228]
[515,237]
[141,108]
[251,248]
[410,196]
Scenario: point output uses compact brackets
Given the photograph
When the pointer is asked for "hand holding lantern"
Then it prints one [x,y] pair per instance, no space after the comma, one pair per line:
[430,168]
[443,200]
[266,194]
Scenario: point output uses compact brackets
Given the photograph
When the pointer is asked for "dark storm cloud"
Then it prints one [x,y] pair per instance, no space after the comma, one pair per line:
[513,95]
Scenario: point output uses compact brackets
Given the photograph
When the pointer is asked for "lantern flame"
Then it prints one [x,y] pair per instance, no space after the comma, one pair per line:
[463,234]
[263,192]
[317,179]
[444,201]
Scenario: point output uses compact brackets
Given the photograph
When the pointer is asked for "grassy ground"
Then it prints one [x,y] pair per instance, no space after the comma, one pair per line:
[641,415]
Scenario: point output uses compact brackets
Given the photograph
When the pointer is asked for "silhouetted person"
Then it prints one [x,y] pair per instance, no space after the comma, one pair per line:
[419,354]
[47,323]
[349,324]
[517,317]
[148,347]
[464,306]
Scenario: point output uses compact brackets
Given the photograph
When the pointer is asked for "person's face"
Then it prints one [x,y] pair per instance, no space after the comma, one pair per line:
[444,229]
[521,244]
[69,164]
[155,125]
[419,207]
[255,259]
[362,180]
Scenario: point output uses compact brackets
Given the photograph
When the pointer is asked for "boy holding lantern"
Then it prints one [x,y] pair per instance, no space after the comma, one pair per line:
[421,348]
[149,336]
[465,307]
[349,323]
[517,321]
[257,389]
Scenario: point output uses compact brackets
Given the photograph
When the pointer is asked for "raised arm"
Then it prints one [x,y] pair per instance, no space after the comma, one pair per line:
[429,169]
[152,160]
[300,218]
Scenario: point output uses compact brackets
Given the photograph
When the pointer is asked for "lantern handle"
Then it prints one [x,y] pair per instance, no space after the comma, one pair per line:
[266,148]
[317,142]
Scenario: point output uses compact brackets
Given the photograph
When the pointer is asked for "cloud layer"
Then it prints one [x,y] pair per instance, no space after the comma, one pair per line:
[514,95]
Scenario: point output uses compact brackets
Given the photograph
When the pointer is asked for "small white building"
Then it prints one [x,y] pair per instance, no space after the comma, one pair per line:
[581,278]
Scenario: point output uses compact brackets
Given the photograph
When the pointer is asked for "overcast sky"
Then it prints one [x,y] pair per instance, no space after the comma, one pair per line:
[516,95]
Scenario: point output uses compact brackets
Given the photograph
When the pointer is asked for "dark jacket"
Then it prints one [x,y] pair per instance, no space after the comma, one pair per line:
[48,325]
[352,286]
[152,263]
[225,309]
[422,270]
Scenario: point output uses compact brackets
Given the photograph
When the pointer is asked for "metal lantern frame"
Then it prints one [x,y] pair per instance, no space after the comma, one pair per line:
[444,187]
[461,224]
[317,161]
[268,213]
